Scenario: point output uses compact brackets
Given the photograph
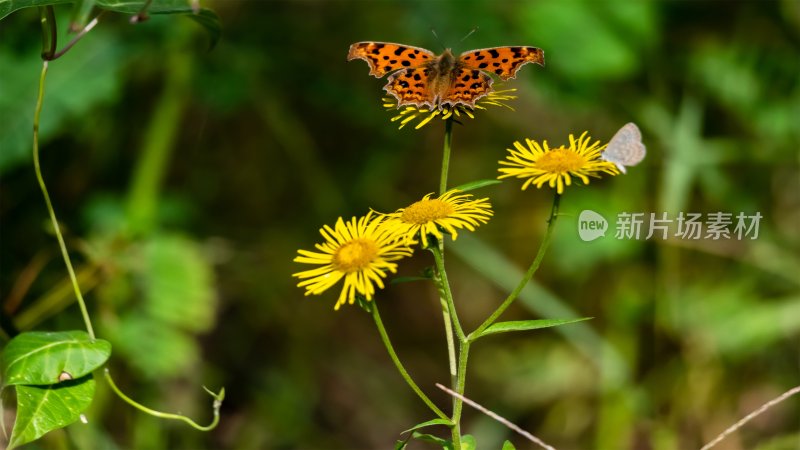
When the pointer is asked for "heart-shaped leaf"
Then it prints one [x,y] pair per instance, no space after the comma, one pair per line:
[43,358]
[524,325]
[41,409]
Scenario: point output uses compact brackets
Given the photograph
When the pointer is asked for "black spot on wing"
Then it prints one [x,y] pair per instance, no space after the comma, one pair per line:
[494,53]
[376,49]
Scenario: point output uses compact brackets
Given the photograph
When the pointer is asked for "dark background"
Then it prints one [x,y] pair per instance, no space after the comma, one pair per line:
[186,180]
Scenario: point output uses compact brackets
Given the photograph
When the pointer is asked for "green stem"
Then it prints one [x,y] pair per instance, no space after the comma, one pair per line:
[49,31]
[56,228]
[449,314]
[461,380]
[448,139]
[218,398]
[551,221]
[448,330]
[444,288]
[386,342]
[158,143]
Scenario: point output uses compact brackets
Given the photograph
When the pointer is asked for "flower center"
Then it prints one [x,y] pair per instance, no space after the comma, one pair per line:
[561,160]
[425,211]
[355,255]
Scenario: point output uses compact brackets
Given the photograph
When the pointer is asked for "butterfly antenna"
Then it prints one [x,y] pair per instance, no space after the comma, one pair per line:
[439,41]
[469,34]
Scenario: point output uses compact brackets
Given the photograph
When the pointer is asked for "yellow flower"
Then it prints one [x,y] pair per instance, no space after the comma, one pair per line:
[360,251]
[541,164]
[432,215]
[409,114]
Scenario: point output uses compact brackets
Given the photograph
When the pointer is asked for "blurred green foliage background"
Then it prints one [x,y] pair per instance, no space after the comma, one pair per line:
[186,180]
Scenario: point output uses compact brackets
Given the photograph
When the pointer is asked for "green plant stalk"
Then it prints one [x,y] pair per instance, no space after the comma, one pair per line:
[159,139]
[448,329]
[76,287]
[388,344]
[444,288]
[448,140]
[449,313]
[218,398]
[49,31]
[551,221]
[461,380]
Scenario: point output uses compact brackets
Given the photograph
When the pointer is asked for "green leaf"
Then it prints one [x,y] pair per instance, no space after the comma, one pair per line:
[207,18]
[477,184]
[41,409]
[507,445]
[400,445]
[155,349]
[445,443]
[399,280]
[468,442]
[523,325]
[430,423]
[70,95]
[179,283]
[40,358]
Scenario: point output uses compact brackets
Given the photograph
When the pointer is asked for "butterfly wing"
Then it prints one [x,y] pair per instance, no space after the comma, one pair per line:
[466,87]
[384,57]
[411,87]
[626,147]
[502,61]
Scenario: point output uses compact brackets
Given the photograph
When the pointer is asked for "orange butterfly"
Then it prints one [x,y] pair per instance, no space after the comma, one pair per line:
[423,79]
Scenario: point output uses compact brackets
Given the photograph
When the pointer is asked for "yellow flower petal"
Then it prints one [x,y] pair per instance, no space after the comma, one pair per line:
[361,251]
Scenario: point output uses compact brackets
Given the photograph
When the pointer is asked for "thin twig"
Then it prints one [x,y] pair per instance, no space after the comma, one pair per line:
[77,37]
[497,417]
[752,416]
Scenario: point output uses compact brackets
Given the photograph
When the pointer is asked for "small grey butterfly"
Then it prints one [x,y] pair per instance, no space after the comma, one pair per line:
[625,148]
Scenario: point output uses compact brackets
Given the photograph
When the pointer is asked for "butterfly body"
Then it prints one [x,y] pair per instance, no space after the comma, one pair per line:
[423,79]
